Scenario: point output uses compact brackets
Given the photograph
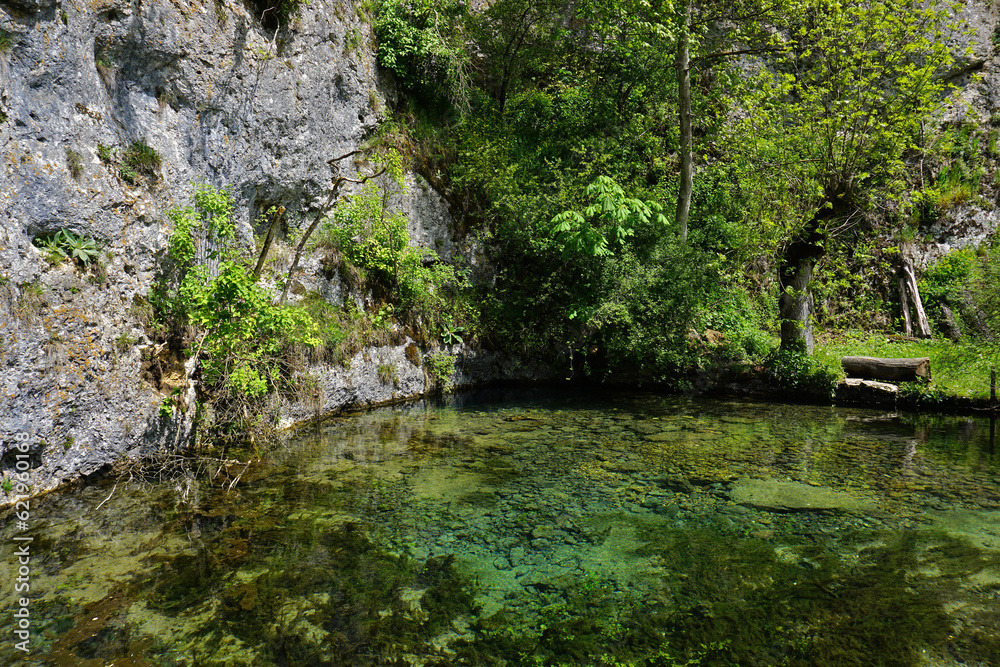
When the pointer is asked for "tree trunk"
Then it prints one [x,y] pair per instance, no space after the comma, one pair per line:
[302,243]
[795,306]
[891,370]
[267,241]
[338,182]
[684,117]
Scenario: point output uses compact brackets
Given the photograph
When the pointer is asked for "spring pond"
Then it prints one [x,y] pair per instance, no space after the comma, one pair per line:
[522,528]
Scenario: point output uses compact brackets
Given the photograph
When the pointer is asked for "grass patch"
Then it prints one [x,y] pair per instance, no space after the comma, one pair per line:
[140,160]
[387,374]
[341,330]
[957,369]
[106,153]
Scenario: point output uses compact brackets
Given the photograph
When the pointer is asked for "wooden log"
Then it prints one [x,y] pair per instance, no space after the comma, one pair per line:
[910,280]
[904,305]
[890,370]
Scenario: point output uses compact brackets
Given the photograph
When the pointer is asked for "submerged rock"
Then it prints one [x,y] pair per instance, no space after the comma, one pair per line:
[796,497]
[980,528]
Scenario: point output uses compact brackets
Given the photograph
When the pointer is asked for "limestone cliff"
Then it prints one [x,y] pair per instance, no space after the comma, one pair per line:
[225,95]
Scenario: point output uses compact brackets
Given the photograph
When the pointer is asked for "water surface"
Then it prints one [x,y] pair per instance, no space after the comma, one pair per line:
[524,529]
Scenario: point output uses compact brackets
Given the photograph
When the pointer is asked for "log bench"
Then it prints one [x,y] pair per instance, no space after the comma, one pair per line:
[889,370]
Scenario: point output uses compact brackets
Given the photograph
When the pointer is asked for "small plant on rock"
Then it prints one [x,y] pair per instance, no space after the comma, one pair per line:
[7,41]
[75,163]
[106,153]
[125,340]
[65,245]
[450,333]
[139,161]
[80,248]
[54,253]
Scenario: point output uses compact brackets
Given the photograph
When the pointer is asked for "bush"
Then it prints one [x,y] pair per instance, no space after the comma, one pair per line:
[376,240]
[968,282]
[796,372]
[245,344]
[421,43]
[947,279]
[744,322]
[440,368]
[7,40]
[106,153]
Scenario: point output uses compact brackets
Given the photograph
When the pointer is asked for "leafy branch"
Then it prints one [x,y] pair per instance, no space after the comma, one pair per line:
[392,164]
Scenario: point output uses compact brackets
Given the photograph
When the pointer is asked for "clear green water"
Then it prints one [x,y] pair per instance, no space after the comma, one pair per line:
[580,530]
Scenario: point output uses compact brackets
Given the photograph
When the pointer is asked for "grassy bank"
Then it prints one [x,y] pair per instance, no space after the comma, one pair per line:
[958,370]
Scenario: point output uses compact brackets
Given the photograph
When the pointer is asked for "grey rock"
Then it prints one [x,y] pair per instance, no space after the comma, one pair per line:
[675,483]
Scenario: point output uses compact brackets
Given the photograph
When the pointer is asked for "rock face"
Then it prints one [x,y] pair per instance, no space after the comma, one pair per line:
[978,77]
[223,97]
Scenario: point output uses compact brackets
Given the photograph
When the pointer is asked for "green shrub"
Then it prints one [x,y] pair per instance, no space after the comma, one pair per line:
[370,237]
[968,282]
[422,43]
[245,344]
[341,331]
[796,372]
[7,40]
[944,280]
[440,368]
[106,153]
[745,323]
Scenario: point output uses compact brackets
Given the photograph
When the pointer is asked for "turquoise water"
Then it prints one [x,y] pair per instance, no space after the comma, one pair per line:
[525,529]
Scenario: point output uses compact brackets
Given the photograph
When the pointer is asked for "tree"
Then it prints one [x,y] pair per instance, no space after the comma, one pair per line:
[846,104]
[515,38]
[423,43]
[738,29]
[241,338]
[606,223]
